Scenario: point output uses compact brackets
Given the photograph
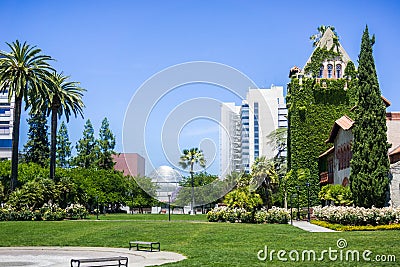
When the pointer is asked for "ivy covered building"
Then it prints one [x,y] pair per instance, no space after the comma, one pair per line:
[322,107]
[318,94]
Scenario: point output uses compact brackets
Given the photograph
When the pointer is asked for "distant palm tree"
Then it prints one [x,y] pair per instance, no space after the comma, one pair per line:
[22,72]
[188,159]
[64,98]
[321,31]
[263,172]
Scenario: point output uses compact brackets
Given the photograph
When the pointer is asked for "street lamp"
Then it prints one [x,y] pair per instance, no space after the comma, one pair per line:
[308,201]
[97,211]
[291,208]
[169,207]
[298,202]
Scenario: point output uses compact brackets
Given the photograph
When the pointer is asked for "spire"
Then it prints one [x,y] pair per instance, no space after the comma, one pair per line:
[328,40]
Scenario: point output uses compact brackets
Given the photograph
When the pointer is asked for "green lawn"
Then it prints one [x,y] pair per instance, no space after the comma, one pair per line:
[205,244]
[151,217]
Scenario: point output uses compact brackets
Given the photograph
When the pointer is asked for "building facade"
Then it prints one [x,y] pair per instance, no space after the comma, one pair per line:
[245,128]
[335,162]
[130,164]
[6,125]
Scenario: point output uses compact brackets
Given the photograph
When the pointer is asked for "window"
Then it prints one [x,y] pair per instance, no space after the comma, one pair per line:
[338,71]
[321,72]
[330,68]
[4,130]
[4,111]
[5,143]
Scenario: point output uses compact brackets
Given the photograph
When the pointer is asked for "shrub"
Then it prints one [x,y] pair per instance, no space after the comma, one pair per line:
[358,216]
[76,211]
[337,194]
[52,213]
[48,212]
[226,214]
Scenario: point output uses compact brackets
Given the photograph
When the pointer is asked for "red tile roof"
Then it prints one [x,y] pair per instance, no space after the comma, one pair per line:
[344,122]
[329,151]
[393,116]
[396,150]
[387,102]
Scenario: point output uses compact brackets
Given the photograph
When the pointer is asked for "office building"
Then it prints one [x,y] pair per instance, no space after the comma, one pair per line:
[245,128]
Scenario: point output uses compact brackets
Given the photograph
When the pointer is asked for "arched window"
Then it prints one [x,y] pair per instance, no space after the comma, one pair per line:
[338,71]
[345,181]
[330,69]
[321,72]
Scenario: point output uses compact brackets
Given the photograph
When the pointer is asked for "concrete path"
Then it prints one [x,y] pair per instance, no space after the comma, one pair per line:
[306,226]
[61,256]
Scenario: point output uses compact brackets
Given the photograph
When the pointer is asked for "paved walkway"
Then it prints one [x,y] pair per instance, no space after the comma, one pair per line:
[306,226]
[61,256]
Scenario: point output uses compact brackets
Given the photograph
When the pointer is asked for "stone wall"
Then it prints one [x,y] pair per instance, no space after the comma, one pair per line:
[395,184]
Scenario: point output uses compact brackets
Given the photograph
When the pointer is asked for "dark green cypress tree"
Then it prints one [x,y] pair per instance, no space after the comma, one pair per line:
[63,147]
[370,163]
[106,145]
[37,149]
[87,148]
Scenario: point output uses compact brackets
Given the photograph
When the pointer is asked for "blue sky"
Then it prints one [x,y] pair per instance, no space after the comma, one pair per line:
[112,47]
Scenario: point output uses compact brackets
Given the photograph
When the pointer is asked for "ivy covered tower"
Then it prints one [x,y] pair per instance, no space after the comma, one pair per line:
[317,95]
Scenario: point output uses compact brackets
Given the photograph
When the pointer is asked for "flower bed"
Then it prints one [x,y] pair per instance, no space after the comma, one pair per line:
[339,227]
[357,216]
[239,215]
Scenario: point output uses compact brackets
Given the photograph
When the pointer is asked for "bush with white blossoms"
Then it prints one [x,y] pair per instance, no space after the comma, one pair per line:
[48,212]
[76,211]
[357,215]
[240,215]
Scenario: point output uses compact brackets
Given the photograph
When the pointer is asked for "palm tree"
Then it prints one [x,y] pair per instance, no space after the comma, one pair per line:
[321,31]
[64,98]
[264,173]
[188,159]
[22,72]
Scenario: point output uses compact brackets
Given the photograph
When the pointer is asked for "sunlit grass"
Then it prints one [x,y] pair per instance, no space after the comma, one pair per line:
[205,244]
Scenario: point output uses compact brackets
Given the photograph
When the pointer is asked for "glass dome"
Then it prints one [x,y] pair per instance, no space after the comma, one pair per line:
[167,181]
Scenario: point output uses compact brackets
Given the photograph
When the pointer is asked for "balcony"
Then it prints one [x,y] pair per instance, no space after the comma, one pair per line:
[323,178]
[326,178]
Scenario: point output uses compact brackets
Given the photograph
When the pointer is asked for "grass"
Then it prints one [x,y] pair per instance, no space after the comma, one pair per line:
[149,217]
[205,244]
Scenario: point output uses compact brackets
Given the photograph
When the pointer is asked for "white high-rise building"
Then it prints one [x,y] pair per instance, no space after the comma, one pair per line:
[6,123]
[262,112]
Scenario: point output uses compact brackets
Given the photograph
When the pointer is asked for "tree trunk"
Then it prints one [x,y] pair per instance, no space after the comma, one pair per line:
[53,142]
[192,184]
[15,143]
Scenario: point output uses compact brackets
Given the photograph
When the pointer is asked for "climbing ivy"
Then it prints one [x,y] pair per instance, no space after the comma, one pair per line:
[320,55]
[314,105]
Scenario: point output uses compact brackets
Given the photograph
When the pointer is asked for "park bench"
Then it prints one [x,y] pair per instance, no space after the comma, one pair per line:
[112,261]
[148,245]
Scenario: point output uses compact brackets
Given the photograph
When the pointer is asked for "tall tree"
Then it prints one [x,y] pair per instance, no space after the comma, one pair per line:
[22,72]
[189,158]
[37,147]
[106,145]
[63,147]
[370,163]
[87,148]
[64,98]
